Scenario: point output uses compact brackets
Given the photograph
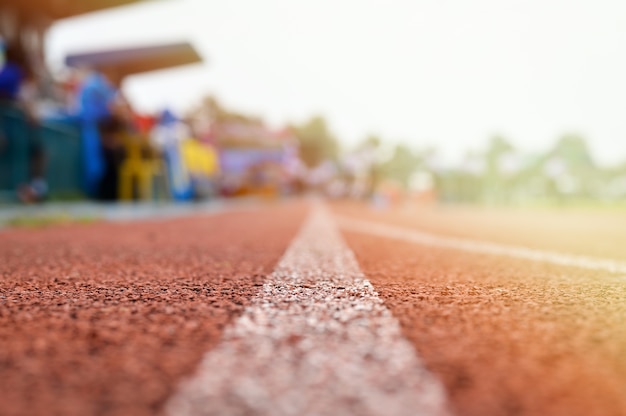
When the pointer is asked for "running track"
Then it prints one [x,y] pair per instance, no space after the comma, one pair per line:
[306,308]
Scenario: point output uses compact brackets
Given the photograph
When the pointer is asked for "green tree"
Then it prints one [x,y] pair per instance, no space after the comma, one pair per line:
[497,149]
[495,181]
[574,152]
[372,141]
[579,169]
[370,148]
[402,164]
[317,142]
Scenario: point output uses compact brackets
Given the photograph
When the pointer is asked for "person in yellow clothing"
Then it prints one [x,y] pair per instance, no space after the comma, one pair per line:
[202,163]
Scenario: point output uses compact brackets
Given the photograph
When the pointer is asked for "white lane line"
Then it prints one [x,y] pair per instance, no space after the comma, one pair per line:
[482,247]
[317,340]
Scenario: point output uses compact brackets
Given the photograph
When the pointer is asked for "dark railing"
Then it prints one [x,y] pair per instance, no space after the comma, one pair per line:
[60,144]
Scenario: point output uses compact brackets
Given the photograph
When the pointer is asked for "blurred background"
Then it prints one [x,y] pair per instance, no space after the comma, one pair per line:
[516,103]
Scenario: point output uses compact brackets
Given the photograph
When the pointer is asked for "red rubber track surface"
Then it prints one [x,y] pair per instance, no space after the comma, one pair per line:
[105,319]
[506,337]
[591,232]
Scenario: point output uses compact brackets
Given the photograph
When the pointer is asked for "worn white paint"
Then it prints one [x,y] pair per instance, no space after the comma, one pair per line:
[317,340]
[480,247]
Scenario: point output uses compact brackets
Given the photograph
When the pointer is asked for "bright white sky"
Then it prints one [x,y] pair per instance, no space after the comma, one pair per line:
[443,72]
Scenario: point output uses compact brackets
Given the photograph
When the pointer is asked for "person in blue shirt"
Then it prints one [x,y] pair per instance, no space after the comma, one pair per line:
[96,97]
[12,73]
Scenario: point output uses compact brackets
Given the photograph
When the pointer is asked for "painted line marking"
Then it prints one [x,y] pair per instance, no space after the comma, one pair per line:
[316,340]
[481,247]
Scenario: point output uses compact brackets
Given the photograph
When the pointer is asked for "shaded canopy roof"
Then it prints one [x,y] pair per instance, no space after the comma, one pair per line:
[123,62]
[60,9]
